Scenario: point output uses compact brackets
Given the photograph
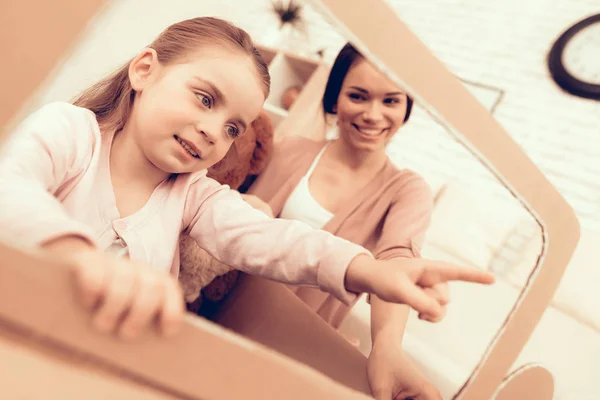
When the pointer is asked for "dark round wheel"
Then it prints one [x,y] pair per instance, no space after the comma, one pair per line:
[574,59]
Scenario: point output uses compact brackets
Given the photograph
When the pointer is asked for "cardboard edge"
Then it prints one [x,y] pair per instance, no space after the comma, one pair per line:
[230,365]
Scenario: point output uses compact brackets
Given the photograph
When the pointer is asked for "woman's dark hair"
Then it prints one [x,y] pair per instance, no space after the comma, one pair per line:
[344,60]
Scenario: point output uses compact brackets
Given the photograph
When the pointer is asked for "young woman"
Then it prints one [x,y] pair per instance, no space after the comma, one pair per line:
[349,187]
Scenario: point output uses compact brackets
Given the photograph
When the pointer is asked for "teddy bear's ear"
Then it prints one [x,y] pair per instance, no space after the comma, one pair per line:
[263,128]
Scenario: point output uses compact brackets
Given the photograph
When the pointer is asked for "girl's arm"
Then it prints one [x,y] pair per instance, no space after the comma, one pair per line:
[290,251]
[44,158]
[50,149]
[282,250]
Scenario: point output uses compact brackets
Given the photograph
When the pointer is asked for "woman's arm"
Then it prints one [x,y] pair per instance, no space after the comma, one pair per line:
[258,203]
[388,321]
[389,370]
[403,230]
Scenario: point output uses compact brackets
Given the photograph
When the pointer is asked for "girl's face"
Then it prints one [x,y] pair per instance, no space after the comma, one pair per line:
[186,115]
[370,108]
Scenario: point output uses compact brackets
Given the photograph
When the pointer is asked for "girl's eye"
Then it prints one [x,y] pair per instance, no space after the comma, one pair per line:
[392,101]
[205,100]
[232,131]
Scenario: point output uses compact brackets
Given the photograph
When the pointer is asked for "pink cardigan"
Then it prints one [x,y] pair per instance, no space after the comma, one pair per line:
[55,180]
[389,217]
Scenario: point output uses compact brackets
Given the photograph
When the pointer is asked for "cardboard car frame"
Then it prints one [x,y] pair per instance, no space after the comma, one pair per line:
[267,344]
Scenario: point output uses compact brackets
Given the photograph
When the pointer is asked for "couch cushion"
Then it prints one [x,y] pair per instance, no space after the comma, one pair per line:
[468,227]
[577,294]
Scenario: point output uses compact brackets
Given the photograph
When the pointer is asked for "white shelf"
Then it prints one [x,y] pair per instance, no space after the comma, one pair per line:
[286,72]
[276,114]
[289,70]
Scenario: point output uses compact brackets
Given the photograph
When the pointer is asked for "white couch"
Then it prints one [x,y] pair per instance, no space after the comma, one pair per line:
[470,229]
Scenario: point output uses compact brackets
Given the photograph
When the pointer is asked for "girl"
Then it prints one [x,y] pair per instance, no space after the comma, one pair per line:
[349,187]
[123,170]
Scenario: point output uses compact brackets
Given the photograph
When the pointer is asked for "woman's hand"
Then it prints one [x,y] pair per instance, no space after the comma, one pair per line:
[124,297]
[258,203]
[392,376]
[415,282]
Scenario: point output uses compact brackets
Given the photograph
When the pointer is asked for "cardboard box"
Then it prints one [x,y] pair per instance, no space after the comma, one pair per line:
[281,350]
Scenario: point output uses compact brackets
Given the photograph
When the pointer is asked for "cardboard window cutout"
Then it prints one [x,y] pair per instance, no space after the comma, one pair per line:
[41,327]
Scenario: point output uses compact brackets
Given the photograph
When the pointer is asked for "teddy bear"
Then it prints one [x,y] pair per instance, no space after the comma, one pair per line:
[203,278]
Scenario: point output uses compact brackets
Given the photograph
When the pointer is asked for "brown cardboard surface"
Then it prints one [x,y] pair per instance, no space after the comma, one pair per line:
[269,313]
[413,67]
[33,37]
[30,370]
[205,361]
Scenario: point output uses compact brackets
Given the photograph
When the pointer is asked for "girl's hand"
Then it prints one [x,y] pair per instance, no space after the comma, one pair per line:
[124,297]
[412,281]
[441,293]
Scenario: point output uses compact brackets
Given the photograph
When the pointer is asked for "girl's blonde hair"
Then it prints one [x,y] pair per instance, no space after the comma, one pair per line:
[111,99]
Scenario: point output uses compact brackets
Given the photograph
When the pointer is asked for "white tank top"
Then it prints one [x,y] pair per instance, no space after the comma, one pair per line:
[302,206]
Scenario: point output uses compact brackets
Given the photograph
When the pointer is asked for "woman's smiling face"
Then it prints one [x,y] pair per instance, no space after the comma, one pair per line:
[370,108]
